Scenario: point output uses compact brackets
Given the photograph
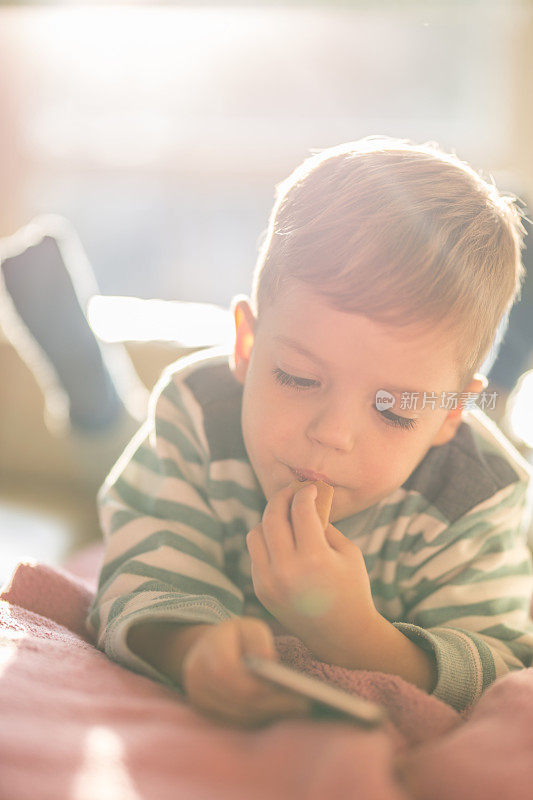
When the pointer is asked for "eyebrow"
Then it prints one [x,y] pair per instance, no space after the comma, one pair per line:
[304,351]
[300,348]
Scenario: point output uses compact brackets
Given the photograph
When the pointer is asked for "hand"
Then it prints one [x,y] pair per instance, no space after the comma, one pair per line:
[313,581]
[219,684]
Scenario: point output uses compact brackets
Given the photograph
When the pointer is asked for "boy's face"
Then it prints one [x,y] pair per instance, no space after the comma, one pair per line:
[316,410]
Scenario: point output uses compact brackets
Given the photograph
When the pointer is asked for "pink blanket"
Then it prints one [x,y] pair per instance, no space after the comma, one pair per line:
[77,726]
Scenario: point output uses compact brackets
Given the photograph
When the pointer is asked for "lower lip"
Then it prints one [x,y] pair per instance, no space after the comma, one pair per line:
[302,478]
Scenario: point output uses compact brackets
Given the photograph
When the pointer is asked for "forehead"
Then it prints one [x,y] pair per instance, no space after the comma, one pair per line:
[410,358]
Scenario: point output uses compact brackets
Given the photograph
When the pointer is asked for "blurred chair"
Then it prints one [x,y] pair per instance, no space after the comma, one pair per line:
[68,403]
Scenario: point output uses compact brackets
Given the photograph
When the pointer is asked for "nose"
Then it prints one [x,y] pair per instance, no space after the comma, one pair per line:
[333,424]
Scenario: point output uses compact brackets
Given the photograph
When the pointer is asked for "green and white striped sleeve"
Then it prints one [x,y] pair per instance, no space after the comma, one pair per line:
[164,556]
[469,602]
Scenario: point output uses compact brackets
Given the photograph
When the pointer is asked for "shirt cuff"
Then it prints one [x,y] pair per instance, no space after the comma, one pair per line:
[465,666]
[195,611]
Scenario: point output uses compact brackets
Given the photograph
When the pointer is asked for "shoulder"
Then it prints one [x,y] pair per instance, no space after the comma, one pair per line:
[203,385]
[198,366]
[476,465]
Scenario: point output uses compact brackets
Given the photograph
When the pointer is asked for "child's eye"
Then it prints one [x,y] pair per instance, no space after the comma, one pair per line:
[291,380]
[406,423]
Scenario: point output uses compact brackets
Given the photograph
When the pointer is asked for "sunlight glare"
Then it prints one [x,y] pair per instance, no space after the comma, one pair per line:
[103,772]
[120,319]
[521,414]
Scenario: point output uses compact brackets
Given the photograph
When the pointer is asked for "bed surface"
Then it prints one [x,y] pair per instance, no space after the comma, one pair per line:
[77,726]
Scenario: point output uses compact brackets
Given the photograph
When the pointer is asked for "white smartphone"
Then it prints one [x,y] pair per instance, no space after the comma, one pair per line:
[327,701]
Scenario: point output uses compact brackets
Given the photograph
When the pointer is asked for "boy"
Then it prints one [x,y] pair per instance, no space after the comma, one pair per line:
[384,274]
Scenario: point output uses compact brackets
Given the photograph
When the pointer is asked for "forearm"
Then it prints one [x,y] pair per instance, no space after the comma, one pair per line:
[384,648]
[388,650]
[164,644]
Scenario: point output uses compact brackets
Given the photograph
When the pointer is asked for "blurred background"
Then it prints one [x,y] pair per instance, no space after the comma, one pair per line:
[158,130]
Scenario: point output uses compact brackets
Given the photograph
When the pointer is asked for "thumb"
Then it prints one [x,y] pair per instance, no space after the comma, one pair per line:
[256,639]
[336,539]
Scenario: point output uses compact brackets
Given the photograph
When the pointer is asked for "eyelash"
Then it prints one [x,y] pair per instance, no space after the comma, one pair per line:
[301,384]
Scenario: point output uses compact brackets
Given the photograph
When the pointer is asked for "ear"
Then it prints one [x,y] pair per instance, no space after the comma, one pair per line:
[449,427]
[244,336]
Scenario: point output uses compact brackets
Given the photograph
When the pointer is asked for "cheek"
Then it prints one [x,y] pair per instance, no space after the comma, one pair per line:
[258,415]
[386,459]
[268,420]
[397,460]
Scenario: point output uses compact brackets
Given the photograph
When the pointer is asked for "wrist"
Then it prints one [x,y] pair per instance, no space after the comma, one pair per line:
[383,648]
[164,645]
[394,652]
[345,645]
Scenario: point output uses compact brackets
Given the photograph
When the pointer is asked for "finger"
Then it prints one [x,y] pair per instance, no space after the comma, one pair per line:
[256,699]
[336,540]
[251,637]
[263,702]
[218,674]
[252,717]
[255,637]
[308,531]
[224,687]
[276,522]
[274,703]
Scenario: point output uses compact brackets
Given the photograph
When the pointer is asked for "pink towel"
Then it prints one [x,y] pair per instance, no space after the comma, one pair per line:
[77,725]
[415,715]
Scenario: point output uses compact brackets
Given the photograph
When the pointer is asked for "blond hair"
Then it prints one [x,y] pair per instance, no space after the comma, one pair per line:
[402,233]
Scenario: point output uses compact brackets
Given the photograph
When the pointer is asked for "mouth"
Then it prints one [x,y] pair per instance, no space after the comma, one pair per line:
[309,475]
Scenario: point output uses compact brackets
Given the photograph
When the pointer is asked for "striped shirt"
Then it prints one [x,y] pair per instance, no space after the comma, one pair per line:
[446,553]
